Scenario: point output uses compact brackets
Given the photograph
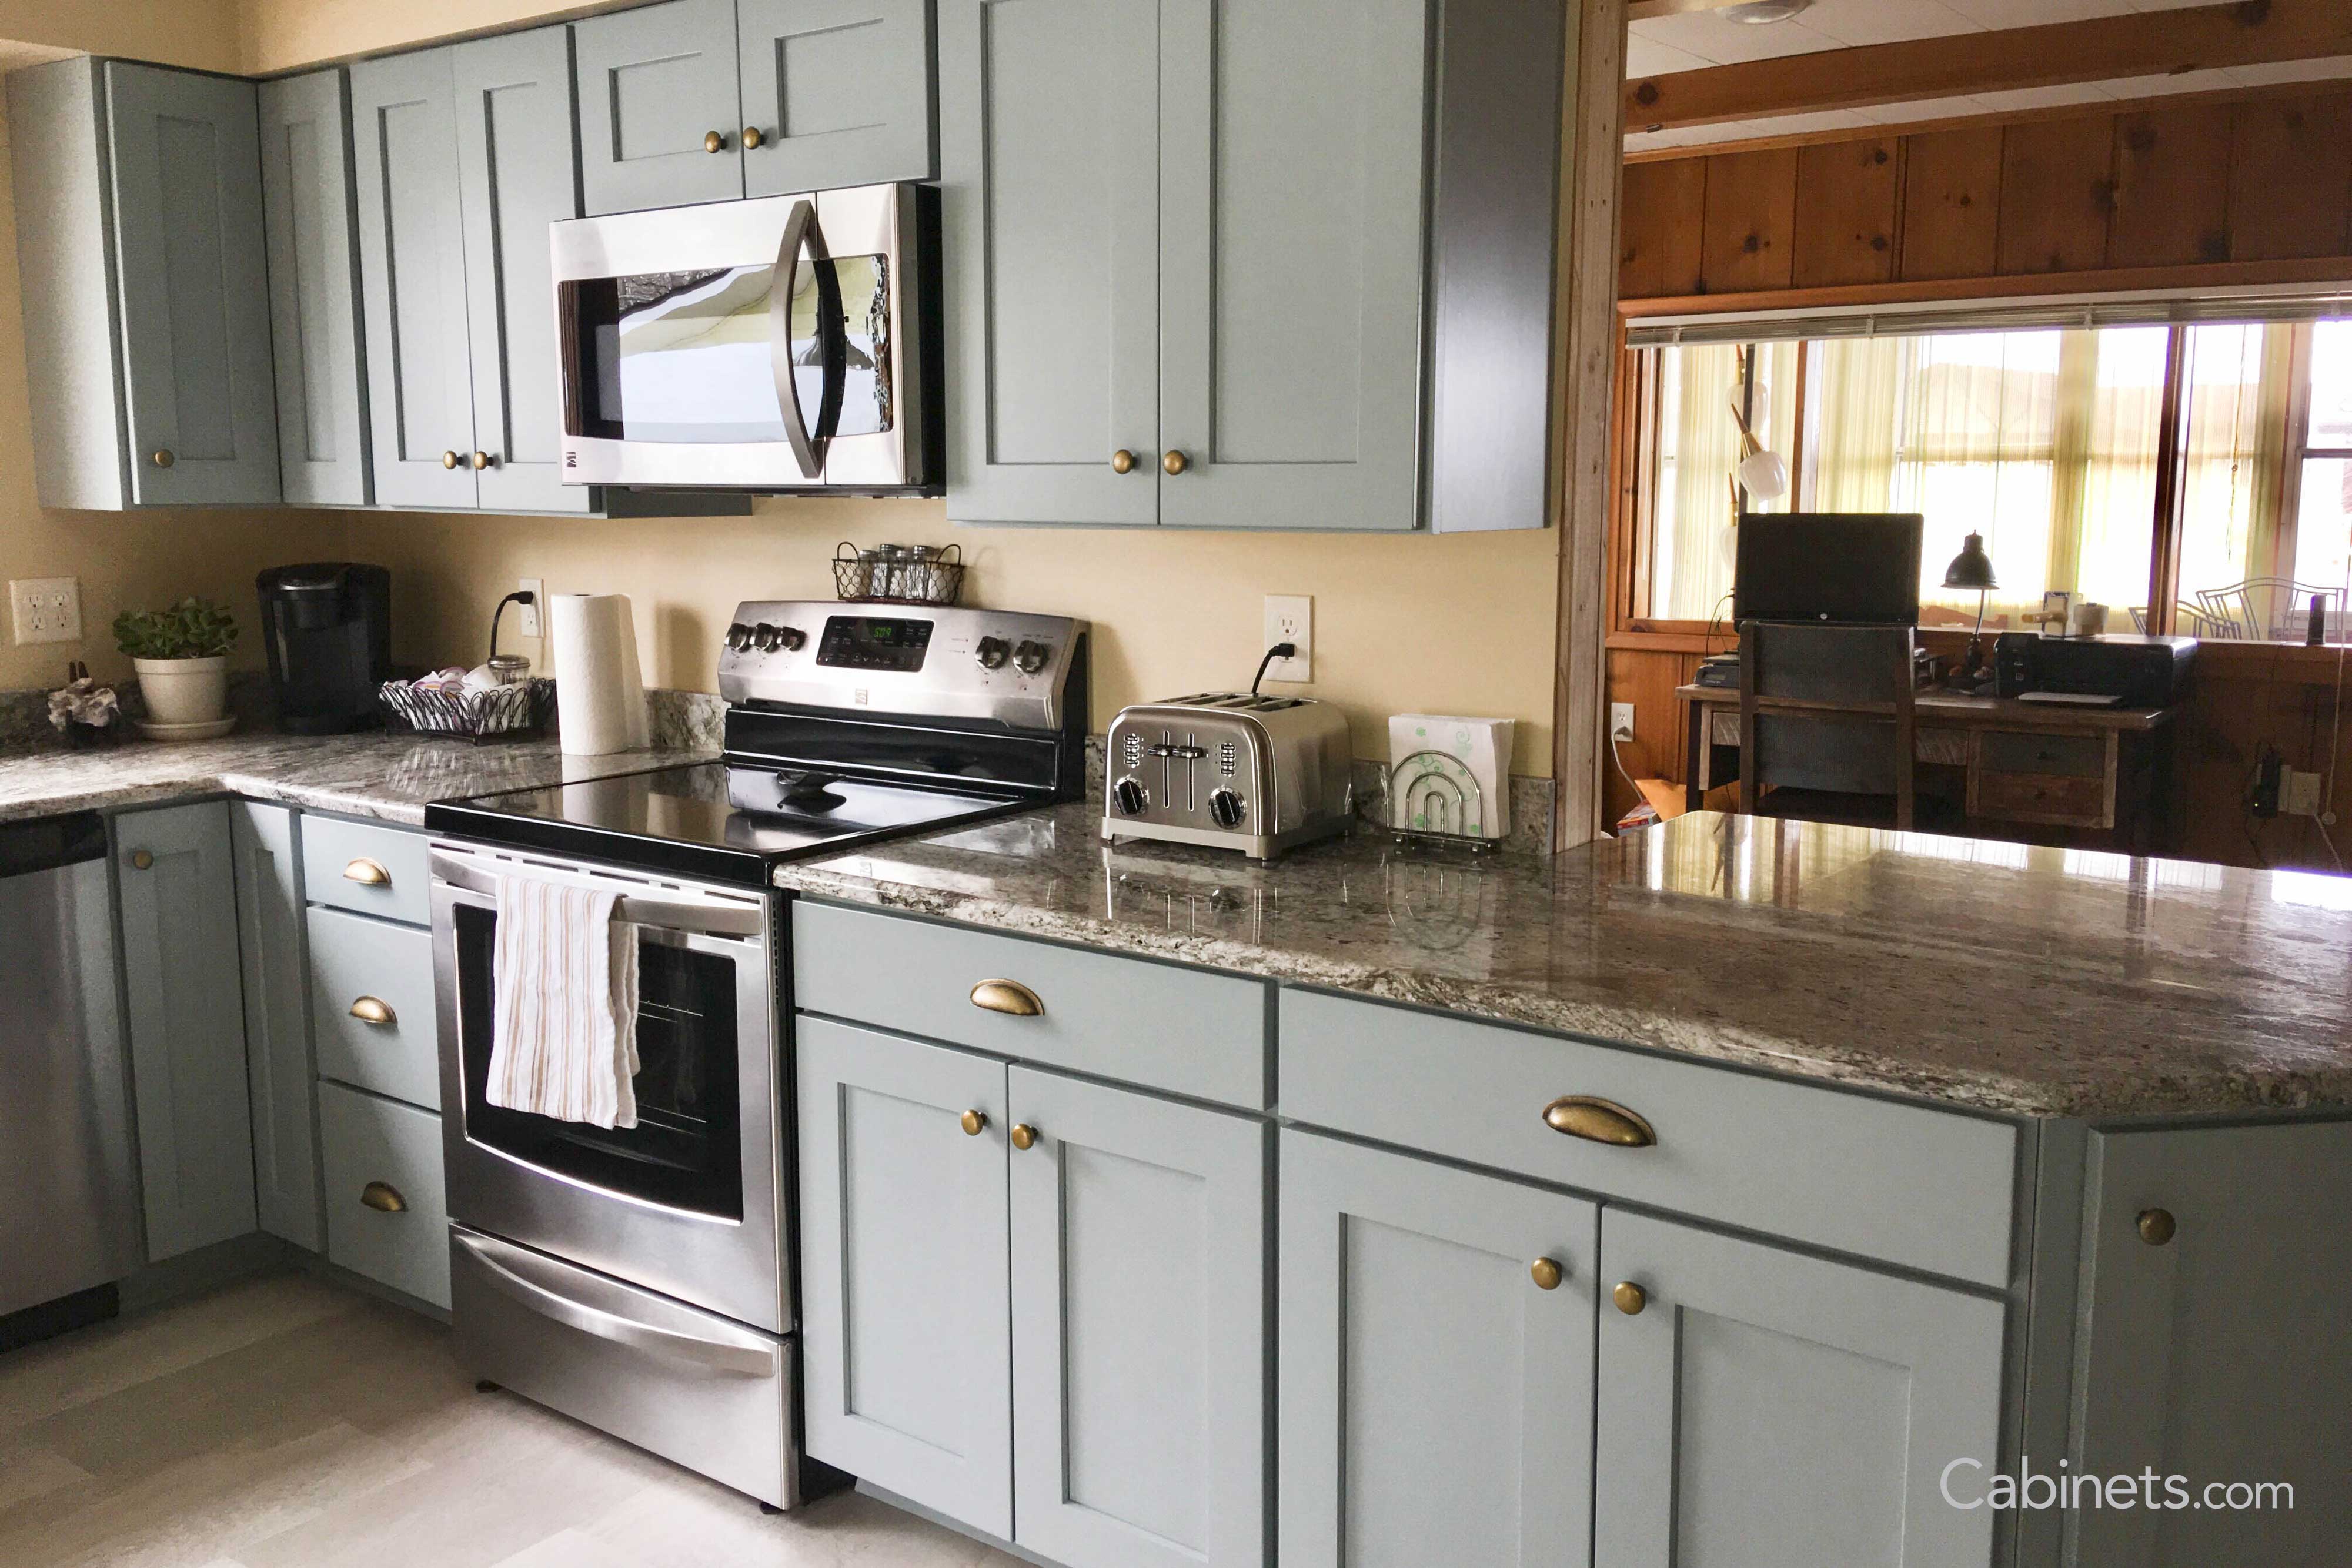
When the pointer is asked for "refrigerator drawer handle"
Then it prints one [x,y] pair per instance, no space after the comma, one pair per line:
[744,1360]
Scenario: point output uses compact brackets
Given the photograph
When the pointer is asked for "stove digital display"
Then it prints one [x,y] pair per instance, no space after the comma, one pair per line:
[872,643]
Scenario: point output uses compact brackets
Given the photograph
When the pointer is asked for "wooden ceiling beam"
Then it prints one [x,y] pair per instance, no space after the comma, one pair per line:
[2141,44]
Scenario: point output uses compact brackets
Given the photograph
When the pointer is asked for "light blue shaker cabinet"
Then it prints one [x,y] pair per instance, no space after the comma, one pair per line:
[314,304]
[274,961]
[658,126]
[834,92]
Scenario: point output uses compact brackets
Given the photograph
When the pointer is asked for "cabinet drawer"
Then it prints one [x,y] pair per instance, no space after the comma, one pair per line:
[391,1047]
[1930,1190]
[358,865]
[371,1144]
[1152,1025]
[2022,751]
[2041,798]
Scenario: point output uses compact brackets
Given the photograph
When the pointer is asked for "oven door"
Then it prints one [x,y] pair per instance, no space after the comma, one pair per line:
[688,1202]
[767,345]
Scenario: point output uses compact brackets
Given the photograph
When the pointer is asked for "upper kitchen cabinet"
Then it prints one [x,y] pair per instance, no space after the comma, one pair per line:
[1274,263]
[831,93]
[139,227]
[314,308]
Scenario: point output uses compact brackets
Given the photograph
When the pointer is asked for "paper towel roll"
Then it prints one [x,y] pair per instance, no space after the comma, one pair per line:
[599,694]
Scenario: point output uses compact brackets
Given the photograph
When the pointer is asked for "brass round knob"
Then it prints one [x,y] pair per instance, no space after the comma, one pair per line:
[1629,1298]
[2156,1225]
[1122,460]
[1174,461]
[372,1010]
[1025,1136]
[481,459]
[383,1197]
[163,459]
[715,142]
[448,460]
[1545,1273]
[973,1122]
[141,861]
[751,138]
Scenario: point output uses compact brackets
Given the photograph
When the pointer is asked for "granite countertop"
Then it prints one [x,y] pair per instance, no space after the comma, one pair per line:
[374,775]
[2039,982]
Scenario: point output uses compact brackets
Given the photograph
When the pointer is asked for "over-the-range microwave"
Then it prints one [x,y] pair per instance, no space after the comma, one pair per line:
[786,344]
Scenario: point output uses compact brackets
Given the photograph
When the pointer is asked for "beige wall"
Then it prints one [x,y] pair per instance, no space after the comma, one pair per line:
[204,33]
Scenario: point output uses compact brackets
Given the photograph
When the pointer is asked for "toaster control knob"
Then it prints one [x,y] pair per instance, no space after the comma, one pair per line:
[738,637]
[1225,807]
[1032,656]
[992,651]
[1130,795]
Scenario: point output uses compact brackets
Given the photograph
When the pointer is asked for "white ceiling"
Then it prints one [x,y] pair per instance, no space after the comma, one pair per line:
[1695,41]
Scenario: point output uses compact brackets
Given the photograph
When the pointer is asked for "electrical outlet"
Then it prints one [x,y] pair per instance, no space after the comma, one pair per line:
[1621,721]
[47,609]
[2299,794]
[1291,618]
[528,622]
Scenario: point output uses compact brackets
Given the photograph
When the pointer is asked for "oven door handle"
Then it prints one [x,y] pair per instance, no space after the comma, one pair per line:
[661,914]
[802,234]
[505,1267]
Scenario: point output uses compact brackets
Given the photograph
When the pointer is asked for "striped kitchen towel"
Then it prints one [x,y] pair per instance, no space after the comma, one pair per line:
[564,1040]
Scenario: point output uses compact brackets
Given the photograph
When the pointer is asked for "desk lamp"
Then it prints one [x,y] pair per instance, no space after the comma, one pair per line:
[1972,567]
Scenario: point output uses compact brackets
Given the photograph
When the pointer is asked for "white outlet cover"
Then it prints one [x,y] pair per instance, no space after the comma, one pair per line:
[1290,617]
[2299,793]
[528,622]
[1621,721]
[46,609]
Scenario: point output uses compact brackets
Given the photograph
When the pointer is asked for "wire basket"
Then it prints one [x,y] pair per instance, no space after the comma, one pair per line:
[511,712]
[899,574]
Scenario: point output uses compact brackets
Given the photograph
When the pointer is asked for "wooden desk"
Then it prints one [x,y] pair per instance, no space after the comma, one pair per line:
[2105,768]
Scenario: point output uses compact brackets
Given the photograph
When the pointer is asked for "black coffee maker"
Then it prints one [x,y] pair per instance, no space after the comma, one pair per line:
[329,627]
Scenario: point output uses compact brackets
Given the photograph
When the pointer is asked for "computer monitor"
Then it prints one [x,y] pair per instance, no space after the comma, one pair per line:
[1843,567]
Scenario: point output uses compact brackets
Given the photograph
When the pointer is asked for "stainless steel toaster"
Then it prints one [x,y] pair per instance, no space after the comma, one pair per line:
[1228,769]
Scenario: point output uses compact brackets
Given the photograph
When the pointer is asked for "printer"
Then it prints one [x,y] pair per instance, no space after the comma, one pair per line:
[2140,672]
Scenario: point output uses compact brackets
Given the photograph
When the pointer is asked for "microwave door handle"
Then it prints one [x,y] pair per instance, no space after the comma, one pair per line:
[801,233]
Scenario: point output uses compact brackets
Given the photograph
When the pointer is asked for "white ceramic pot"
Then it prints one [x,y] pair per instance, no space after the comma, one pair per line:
[184,691]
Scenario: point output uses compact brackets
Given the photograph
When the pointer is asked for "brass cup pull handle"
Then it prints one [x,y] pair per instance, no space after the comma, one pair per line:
[975,1122]
[1547,1273]
[372,1010]
[163,459]
[2156,1226]
[448,460]
[383,1197]
[1007,997]
[1629,1298]
[1122,460]
[1174,461]
[1599,1122]
[141,859]
[715,142]
[751,138]
[366,872]
[1025,1136]
[482,460]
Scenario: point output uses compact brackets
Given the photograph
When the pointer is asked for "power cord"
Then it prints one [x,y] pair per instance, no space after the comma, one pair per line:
[1279,651]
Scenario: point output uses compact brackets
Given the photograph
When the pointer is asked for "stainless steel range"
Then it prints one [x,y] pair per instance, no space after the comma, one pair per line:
[640,1279]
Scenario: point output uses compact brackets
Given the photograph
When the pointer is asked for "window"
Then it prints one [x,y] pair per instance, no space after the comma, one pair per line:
[2050,442]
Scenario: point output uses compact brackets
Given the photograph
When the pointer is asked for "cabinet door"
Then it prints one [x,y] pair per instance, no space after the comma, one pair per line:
[655,85]
[187,1026]
[839,90]
[1292,193]
[1436,1400]
[314,320]
[2218,1353]
[277,1059]
[1139,1329]
[517,160]
[192,271]
[1049,143]
[903,1283]
[412,280]
[1776,1410]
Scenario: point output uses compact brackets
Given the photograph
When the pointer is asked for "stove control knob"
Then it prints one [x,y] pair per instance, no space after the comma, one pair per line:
[1032,656]
[792,639]
[1225,807]
[1131,796]
[990,651]
[738,637]
[767,638]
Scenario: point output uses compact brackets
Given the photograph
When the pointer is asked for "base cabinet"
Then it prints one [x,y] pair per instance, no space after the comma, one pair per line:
[387,1208]
[1436,1400]
[278,1049]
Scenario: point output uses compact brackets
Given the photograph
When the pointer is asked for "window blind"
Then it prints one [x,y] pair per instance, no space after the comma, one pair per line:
[2252,308]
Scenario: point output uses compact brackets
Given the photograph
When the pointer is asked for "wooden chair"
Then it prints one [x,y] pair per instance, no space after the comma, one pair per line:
[1828,726]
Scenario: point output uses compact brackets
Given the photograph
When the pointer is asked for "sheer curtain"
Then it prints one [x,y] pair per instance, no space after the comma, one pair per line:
[2239,382]
[1697,450]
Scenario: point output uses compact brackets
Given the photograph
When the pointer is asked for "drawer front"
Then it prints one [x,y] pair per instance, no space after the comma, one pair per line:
[375,870]
[1928,1189]
[2042,797]
[1154,1025]
[2022,751]
[371,1006]
[371,1144]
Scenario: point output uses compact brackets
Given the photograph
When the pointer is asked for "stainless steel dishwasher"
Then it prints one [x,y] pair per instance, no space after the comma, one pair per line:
[68,1186]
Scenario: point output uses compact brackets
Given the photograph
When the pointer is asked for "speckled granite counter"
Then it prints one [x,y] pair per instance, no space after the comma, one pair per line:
[363,775]
[2041,982]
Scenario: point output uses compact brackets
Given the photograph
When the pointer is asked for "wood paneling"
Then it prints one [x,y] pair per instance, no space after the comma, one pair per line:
[1951,203]
[1748,240]
[2301,146]
[2057,186]
[1846,196]
[2172,187]
[1665,212]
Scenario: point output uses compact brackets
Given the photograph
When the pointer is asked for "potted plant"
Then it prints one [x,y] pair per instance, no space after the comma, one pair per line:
[182,658]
